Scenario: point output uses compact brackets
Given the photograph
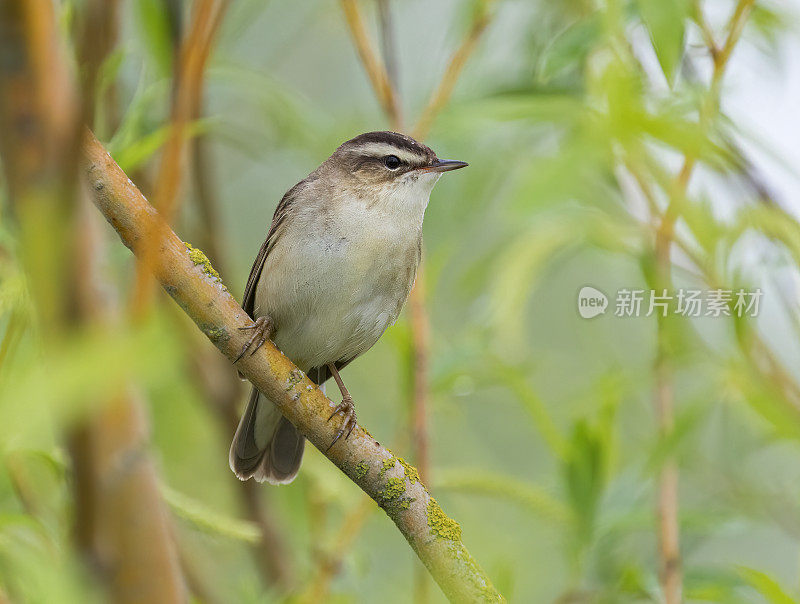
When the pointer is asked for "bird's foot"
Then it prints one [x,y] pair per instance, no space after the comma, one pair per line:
[348,411]
[262,331]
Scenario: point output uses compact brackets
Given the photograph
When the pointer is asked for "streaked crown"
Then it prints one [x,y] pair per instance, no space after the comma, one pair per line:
[386,150]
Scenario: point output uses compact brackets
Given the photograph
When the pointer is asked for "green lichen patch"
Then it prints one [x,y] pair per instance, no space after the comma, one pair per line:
[361,469]
[218,335]
[441,524]
[200,259]
[410,471]
[395,487]
[405,503]
[388,464]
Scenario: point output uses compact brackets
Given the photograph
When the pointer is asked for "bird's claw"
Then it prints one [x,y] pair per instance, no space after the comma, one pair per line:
[348,409]
[262,331]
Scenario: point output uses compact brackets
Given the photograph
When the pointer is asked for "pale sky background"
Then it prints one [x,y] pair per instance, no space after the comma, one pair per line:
[763,98]
[765,102]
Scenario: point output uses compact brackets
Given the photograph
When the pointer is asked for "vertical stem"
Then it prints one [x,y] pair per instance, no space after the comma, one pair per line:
[669,529]
[120,520]
[378,77]
[319,587]
[122,523]
[188,82]
[221,386]
[667,508]
[420,344]
[389,49]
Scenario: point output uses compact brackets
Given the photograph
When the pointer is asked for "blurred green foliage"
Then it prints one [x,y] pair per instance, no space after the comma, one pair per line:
[574,117]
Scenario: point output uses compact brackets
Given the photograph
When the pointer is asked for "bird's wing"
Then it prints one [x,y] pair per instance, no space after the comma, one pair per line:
[318,375]
[275,230]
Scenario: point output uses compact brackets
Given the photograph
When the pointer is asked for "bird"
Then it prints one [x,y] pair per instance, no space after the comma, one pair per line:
[337,265]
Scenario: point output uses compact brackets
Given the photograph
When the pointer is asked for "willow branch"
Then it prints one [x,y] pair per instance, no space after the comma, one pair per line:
[192,58]
[708,108]
[378,77]
[189,278]
[441,95]
[388,46]
[119,519]
[669,529]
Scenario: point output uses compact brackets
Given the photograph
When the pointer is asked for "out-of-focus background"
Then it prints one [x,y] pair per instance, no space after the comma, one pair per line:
[623,145]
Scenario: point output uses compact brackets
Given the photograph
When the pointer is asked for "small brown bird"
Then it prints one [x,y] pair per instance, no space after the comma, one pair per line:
[337,265]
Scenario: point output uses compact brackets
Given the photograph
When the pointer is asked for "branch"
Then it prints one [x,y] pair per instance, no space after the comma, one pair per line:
[189,278]
[441,96]
[663,398]
[388,46]
[419,421]
[271,555]
[118,514]
[378,77]
[188,84]
[708,108]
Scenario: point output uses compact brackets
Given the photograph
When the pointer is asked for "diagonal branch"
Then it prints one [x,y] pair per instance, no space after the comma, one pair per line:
[378,77]
[441,95]
[189,278]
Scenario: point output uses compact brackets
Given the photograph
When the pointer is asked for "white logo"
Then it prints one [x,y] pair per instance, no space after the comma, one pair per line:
[591,302]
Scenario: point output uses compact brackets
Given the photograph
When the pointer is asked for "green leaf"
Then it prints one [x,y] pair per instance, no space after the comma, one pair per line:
[531,496]
[156,30]
[143,113]
[666,22]
[765,585]
[588,467]
[569,49]
[138,152]
[518,382]
[207,519]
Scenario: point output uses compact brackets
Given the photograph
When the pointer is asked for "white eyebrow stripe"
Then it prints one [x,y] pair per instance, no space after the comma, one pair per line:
[383,149]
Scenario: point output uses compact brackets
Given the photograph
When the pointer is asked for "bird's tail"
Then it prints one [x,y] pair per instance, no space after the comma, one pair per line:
[266,445]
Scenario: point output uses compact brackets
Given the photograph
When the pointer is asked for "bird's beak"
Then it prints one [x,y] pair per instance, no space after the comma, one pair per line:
[444,165]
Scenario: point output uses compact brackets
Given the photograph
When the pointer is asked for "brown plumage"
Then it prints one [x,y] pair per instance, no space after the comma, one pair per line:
[333,273]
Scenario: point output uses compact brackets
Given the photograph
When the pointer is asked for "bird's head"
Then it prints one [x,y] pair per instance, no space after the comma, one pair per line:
[388,168]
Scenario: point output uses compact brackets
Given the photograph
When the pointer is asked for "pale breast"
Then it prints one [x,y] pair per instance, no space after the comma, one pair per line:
[334,286]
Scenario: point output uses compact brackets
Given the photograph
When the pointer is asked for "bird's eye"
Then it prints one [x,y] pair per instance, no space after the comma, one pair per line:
[392,162]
